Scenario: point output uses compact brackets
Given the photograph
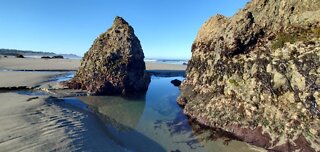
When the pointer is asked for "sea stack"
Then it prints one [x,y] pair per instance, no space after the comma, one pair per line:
[114,65]
[257,75]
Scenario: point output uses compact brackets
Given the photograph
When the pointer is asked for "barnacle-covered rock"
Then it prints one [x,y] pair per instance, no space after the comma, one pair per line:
[257,74]
[114,65]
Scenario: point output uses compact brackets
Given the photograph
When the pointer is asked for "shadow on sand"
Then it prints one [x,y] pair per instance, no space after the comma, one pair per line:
[115,118]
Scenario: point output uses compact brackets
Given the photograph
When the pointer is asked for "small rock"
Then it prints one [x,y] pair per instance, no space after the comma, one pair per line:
[19,56]
[176,82]
[58,57]
[46,57]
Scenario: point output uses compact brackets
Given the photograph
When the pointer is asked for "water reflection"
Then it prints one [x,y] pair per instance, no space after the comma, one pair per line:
[117,111]
[156,123]
[120,117]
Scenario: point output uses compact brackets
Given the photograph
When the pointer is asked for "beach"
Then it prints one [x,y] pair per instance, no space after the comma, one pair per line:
[31,64]
[37,114]
[33,123]
[25,79]
[36,64]
[19,73]
[27,73]
[37,122]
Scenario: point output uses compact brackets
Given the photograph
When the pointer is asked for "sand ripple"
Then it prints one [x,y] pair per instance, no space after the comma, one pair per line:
[41,125]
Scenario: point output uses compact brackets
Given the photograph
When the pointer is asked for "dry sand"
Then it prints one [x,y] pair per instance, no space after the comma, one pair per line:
[39,64]
[18,79]
[165,66]
[39,125]
[66,64]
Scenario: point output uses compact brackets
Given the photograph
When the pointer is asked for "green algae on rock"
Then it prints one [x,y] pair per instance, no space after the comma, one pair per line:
[257,75]
[114,65]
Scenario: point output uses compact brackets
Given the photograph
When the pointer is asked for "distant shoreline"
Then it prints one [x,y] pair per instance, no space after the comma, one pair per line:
[30,72]
[34,54]
[36,64]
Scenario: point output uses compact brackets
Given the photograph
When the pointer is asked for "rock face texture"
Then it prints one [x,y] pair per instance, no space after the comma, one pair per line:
[257,75]
[114,64]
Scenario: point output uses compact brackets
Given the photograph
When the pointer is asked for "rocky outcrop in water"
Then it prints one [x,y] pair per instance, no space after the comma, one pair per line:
[114,65]
[176,82]
[257,75]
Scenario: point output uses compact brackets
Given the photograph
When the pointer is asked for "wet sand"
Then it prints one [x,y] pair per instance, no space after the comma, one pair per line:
[41,123]
[36,123]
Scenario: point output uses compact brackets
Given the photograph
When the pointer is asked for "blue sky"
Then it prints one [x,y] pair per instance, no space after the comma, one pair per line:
[166,28]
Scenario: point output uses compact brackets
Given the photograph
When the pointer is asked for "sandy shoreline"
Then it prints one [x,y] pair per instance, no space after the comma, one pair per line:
[20,72]
[44,123]
[28,80]
[41,123]
[39,64]
[30,64]
[30,123]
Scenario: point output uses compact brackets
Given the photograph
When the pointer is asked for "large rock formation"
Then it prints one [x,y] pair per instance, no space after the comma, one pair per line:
[114,64]
[257,74]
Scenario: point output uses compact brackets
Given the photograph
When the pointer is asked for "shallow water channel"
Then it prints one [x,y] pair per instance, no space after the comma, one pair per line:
[154,122]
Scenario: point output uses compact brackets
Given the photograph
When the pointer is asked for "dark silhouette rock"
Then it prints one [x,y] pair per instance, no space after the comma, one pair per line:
[19,56]
[45,57]
[57,57]
[114,65]
[176,82]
